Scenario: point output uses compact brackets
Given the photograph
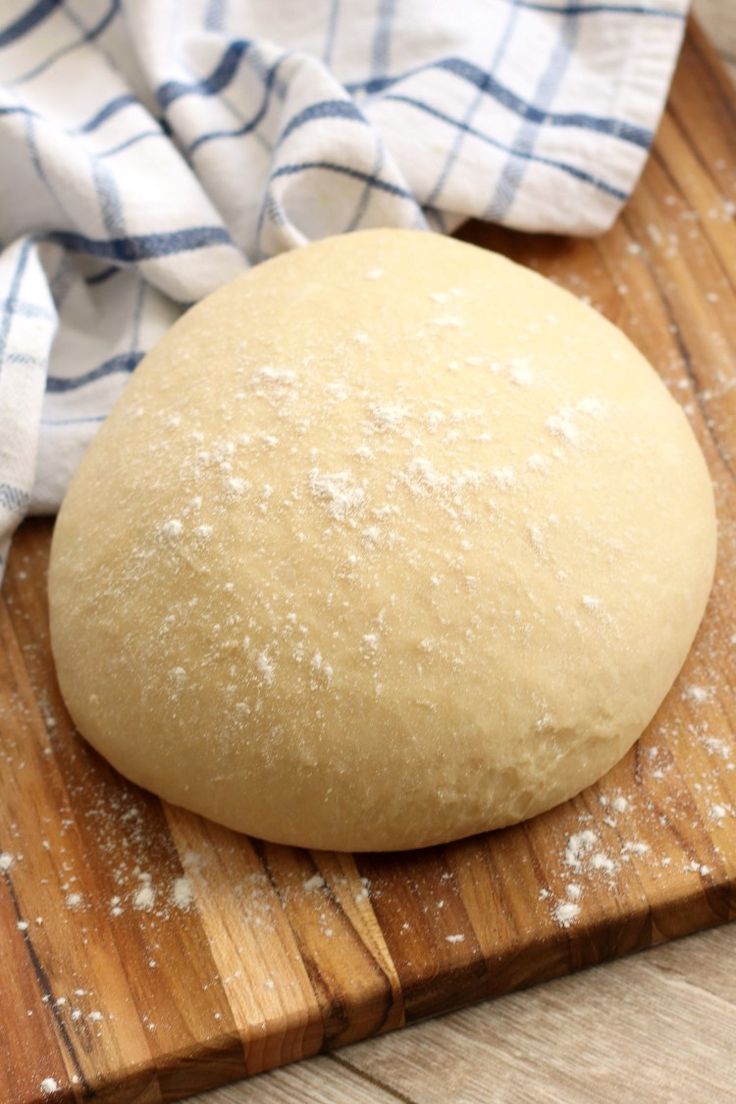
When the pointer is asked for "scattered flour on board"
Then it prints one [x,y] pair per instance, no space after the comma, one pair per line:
[182,892]
[578,846]
[145,896]
[565,912]
[699,695]
[598,859]
[315,882]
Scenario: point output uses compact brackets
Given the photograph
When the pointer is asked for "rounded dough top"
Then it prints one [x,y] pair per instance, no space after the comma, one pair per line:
[387,542]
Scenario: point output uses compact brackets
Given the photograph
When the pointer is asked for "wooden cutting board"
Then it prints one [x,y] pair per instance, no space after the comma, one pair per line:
[146,954]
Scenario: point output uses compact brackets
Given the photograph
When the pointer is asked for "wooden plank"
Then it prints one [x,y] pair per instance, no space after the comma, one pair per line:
[718,18]
[656,1027]
[322,1081]
[173,954]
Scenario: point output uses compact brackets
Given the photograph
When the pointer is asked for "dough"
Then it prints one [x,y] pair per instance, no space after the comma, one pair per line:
[388,542]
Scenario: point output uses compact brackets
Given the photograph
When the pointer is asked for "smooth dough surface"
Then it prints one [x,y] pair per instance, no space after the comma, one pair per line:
[387,542]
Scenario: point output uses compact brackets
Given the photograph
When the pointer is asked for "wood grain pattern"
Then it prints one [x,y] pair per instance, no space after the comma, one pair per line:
[114,984]
[655,1027]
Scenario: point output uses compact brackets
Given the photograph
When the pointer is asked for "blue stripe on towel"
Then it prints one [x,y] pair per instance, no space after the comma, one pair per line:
[141,247]
[124,362]
[219,78]
[26,22]
[572,170]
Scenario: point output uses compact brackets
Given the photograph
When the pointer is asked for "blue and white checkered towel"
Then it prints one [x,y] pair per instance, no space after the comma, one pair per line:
[153,149]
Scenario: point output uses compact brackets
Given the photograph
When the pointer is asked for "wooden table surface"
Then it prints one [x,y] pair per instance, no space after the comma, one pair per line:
[658,1027]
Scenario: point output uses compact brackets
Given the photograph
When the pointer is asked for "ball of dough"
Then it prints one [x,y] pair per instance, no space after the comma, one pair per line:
[387,542]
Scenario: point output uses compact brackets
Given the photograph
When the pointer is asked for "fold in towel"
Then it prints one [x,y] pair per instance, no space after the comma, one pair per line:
[152,150]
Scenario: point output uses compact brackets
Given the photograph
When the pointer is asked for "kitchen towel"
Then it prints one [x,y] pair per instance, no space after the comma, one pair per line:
[152,149]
